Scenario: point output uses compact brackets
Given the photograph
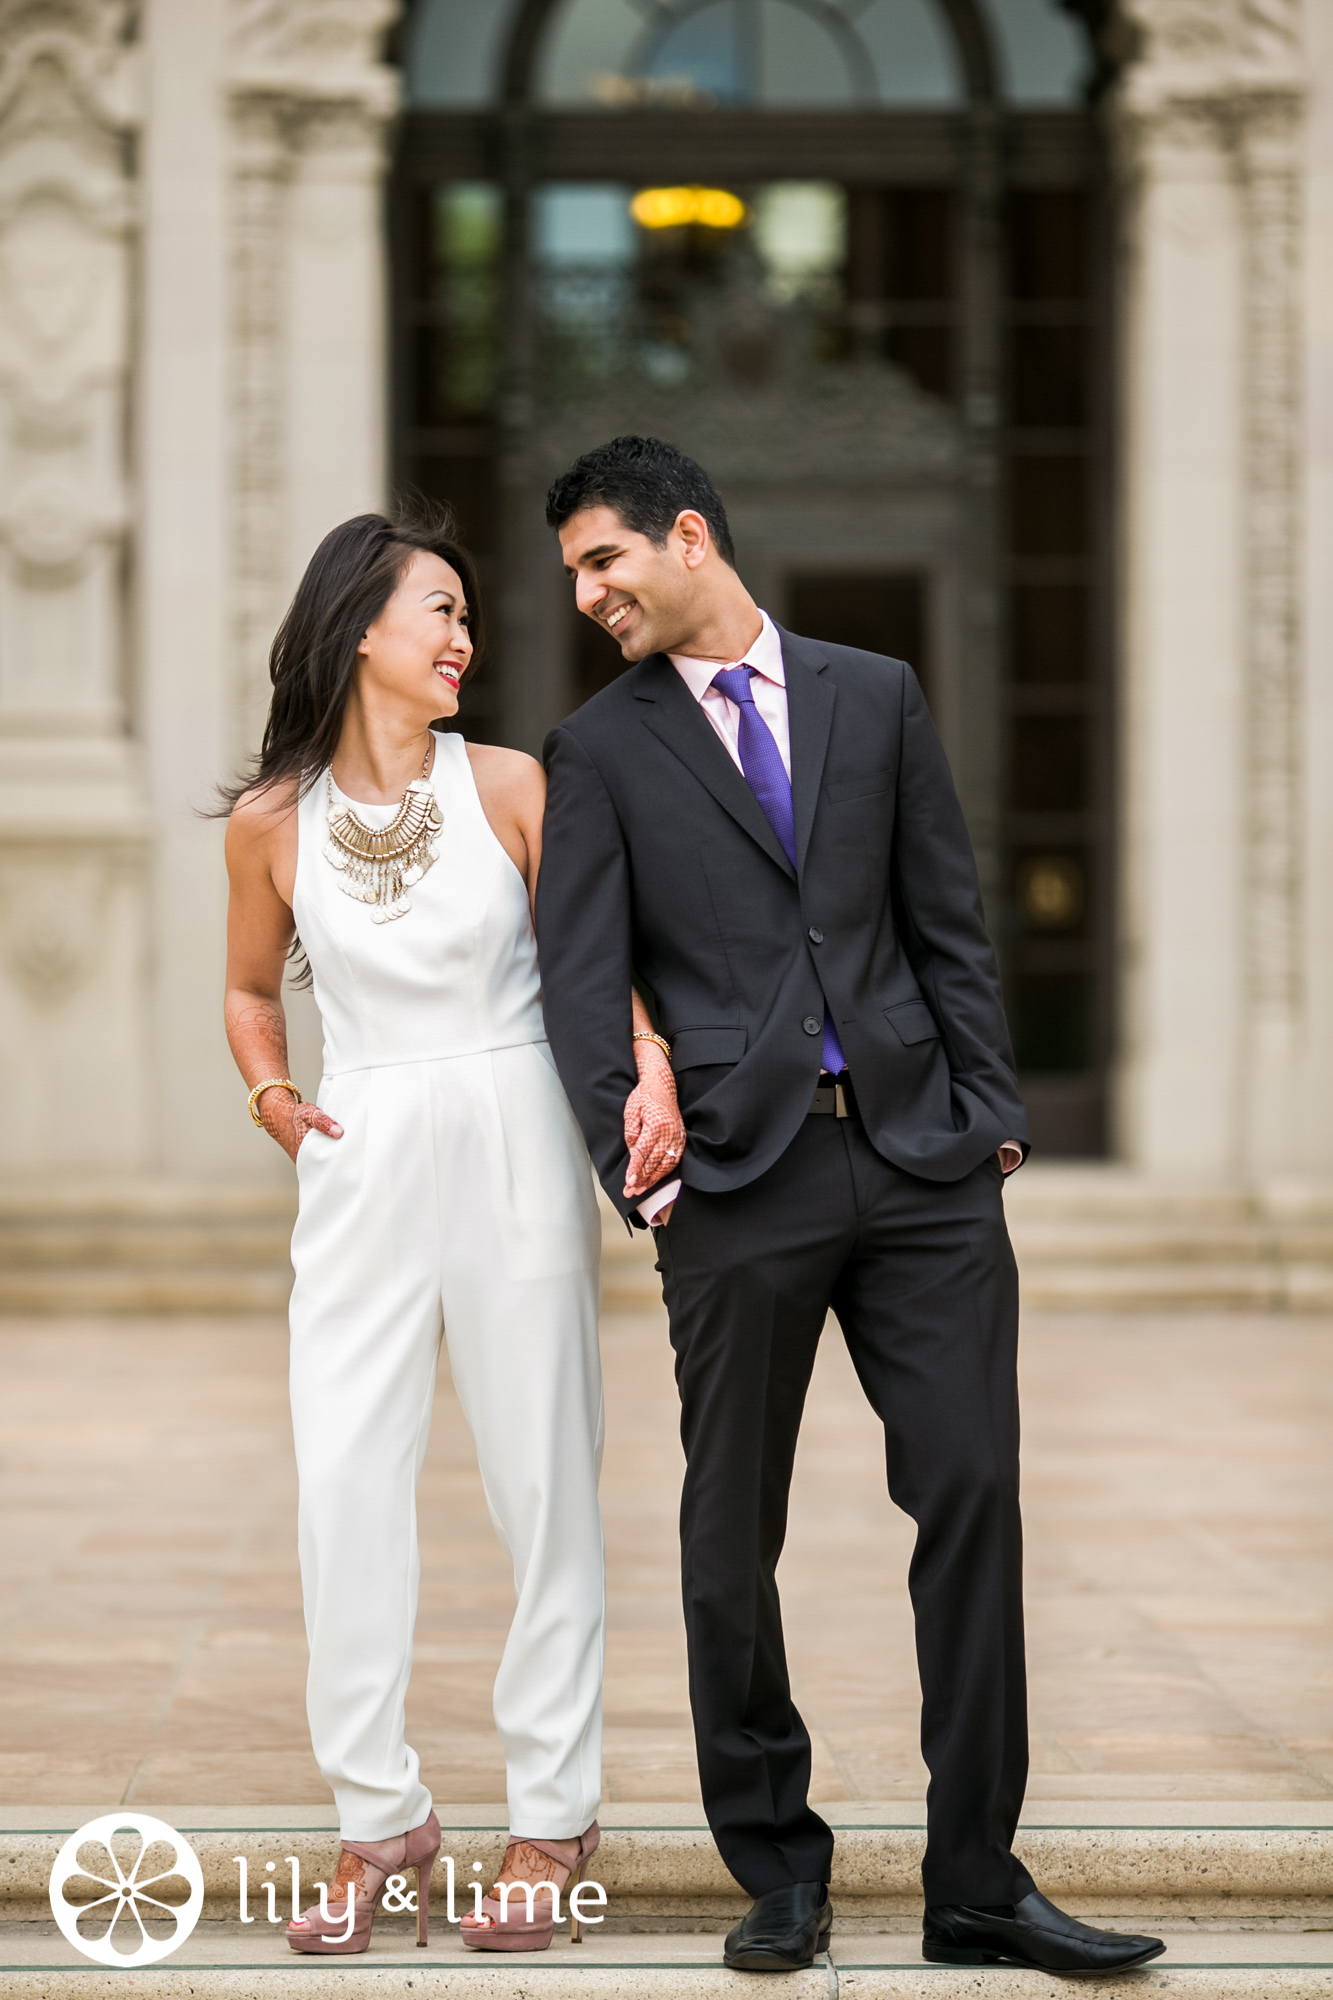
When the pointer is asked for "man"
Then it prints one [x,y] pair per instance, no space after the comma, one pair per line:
[763,832]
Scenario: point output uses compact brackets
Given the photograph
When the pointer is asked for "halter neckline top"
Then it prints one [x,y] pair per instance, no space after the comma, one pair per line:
[456,975]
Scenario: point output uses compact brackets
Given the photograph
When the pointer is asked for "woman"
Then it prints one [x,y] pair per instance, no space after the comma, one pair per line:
[442,1180]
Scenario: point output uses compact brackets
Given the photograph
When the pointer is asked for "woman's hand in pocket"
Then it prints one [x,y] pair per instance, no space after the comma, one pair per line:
[288,1122]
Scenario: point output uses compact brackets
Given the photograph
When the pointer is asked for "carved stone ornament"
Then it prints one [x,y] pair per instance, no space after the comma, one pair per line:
[67,104]
[52,919]
[1210,47]
[325,37]
[48,521]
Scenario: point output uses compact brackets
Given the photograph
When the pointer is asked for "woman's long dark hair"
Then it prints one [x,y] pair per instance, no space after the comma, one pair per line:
[348,581]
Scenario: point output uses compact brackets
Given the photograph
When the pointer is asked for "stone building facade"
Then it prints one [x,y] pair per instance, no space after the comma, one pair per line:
[194,385]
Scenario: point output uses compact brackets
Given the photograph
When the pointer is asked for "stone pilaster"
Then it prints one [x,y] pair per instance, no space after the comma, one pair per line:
[310,102]
[1270,140]
[1268,161]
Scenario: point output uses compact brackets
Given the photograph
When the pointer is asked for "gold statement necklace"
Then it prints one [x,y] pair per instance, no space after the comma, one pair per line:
[378,864]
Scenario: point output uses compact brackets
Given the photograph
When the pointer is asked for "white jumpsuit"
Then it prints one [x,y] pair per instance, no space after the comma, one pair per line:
[460,1196]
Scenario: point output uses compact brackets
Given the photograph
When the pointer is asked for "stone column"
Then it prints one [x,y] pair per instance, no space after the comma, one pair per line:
[1268,152]
[188,710]
[309,107]
[1315,364]
[1208,119]
[74,1025]
[336,354]
[1182,808]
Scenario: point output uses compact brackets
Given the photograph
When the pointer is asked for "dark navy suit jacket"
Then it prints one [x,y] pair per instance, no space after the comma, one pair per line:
[658,864]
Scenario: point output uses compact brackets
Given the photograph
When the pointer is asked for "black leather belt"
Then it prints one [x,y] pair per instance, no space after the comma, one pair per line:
[833,1100]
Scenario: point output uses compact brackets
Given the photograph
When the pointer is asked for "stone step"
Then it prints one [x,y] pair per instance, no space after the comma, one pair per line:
[1169,1288]
[1091,1240]
[1242,1895]
[145,1247]
[220,1961]
[1171,1241]
[1087,1239]
[659,1864]
[629,1285]
[151,1292]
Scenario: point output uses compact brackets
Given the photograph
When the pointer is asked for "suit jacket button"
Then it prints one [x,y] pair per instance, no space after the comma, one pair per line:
[813,1025]
[815,935]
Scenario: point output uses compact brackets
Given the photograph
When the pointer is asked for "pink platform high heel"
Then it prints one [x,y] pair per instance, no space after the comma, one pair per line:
[364,1866]
[510,1929]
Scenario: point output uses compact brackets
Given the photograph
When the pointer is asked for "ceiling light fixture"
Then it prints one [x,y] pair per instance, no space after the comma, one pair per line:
[674,207]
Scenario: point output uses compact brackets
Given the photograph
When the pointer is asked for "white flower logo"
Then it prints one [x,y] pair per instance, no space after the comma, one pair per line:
[126,1899]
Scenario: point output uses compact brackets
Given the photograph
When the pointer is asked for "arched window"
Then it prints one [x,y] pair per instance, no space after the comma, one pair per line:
[1044,55]
[453,52]
[736,52]
[818,54]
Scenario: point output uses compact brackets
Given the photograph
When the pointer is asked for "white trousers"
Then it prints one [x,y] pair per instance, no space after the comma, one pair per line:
[459,1197]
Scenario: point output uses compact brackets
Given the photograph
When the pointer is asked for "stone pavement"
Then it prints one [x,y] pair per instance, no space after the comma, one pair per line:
[1178,1478]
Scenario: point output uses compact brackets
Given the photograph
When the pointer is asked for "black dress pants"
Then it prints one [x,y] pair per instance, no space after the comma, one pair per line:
[921,1277]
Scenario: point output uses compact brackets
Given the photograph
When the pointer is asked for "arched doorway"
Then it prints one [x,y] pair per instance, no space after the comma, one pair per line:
[853,255]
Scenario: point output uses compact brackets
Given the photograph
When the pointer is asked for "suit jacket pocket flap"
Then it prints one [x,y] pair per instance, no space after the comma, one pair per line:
[692,1047]
[912,1021]
[869,785]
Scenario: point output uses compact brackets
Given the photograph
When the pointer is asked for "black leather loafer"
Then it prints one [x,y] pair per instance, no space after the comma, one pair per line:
[1037,1935]
[782,1931]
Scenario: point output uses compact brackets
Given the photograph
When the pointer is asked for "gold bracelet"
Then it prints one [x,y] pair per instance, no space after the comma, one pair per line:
[642,1035]
[272,1083]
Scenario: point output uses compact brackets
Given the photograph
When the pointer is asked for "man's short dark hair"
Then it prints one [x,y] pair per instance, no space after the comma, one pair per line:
[648,484]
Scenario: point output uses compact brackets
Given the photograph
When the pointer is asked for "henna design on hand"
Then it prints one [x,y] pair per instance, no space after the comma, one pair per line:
[288,1122]
[654,1131]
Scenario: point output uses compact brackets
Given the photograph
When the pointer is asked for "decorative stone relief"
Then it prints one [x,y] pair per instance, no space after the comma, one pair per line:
[1229,74]
[52,906]
[305,80]
[334,35]
[1270,36]
[66,214]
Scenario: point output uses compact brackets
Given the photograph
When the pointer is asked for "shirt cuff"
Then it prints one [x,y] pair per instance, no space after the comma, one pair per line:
[1011,1156]
[658,1199]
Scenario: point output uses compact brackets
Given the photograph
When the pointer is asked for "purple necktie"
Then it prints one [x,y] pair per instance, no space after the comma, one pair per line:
[766,775]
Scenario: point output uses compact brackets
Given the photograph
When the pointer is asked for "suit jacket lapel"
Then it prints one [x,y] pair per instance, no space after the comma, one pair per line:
[810,704]
[672,713]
